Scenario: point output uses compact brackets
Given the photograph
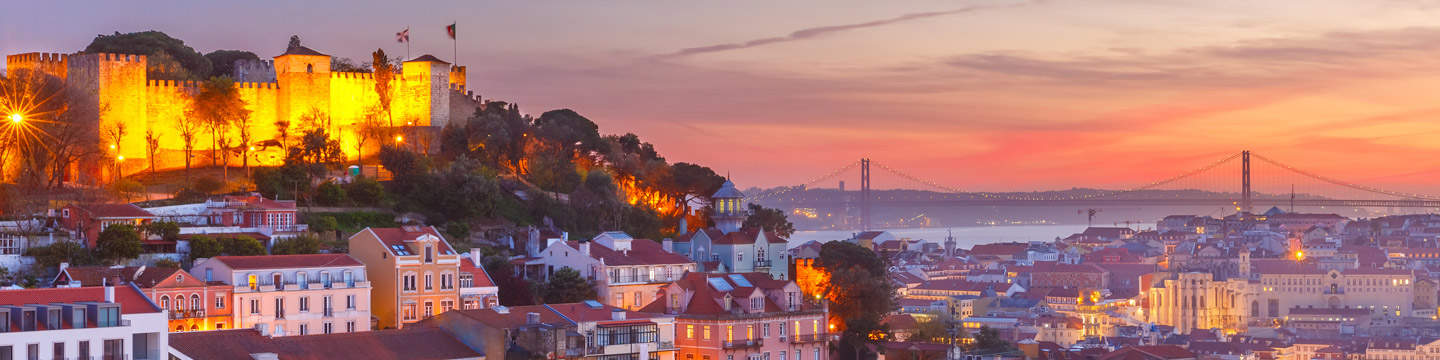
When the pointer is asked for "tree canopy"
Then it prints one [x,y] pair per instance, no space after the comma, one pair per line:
[164,53]
[859,290]
[567,286]
[222,62]
[118,242]
[769,219]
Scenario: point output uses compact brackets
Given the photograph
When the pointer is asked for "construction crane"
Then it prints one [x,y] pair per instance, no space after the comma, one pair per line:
[1089,215]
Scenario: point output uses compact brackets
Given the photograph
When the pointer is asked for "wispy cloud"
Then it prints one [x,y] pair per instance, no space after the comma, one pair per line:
[814,32]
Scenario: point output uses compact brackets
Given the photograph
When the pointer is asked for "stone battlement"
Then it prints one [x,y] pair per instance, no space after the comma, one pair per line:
[36,57]
[352,75]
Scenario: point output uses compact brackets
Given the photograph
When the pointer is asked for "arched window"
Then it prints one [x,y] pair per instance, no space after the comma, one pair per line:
[165,301]
[194,301]
[179,303]
[309,68]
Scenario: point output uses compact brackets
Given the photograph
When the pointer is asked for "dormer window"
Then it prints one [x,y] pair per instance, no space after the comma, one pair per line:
[757,303]
[429,254]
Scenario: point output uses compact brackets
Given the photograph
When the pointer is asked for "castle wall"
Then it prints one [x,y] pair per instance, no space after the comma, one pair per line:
[427,94]
[48,63]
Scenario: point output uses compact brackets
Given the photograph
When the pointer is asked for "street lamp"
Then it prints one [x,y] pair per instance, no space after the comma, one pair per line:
[17,118]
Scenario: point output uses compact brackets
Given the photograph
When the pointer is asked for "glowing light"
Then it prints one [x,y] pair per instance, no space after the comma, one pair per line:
[121,157]
[252,148]
[399,138]
[1299,255]
[17,118]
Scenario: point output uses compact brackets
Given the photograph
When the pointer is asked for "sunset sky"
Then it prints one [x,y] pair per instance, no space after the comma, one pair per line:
[980,95]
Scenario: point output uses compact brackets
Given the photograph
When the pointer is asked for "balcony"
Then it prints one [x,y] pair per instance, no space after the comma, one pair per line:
[801,339]
[186,314]
[740,344]
[762,263]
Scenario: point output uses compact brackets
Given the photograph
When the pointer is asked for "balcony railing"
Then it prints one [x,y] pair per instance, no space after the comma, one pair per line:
[186,314]
[800,339]
[329,312]
[738,344]
[762,263]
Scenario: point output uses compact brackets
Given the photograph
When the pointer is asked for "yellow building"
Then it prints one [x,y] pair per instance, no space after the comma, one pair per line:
[295,88]
[412,271]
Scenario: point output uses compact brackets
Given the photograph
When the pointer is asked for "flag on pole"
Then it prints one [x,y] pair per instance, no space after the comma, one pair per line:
[450,30]
[403,36]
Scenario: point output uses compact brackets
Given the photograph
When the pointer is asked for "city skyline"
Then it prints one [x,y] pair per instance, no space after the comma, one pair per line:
[979,95]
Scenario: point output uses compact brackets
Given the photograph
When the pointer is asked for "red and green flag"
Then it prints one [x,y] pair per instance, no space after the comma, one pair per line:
[450,30]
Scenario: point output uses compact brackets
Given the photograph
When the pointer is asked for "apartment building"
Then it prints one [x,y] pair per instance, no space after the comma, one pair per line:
[193,304]
[414,270]
[477,289]
[283,295]
[583,330]
[627,271]
[103,322]
[743,316]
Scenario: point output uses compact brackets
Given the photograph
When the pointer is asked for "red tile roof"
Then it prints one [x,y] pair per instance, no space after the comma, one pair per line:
[287,261]
[408,343]
[1149,352]
[402,236]
[705,299]
[999,249]
[746,236]
[642,252]
[95,275]
[581,312]
[954,285]
[711,233]
[481,278]
[131,300]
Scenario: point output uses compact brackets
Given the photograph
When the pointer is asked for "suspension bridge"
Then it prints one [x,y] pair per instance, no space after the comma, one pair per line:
[1213,184]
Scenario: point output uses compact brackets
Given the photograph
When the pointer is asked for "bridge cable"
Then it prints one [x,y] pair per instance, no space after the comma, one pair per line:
[1343,183]
[807,185]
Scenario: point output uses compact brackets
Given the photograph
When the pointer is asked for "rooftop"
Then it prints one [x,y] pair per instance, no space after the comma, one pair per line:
[408,343]
[287,261]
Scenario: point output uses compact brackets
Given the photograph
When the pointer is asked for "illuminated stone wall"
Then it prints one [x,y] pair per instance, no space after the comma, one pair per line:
[288,88]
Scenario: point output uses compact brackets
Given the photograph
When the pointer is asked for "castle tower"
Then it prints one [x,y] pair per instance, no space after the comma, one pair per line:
[426,92]
[113,93]
[729,206]
[949,243]
[303,75]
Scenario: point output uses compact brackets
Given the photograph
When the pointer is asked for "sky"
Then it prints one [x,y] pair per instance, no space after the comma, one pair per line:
[988,95]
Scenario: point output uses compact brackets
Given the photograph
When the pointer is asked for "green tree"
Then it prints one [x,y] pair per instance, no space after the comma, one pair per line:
[218,105]
[294,42]
[50,256]
[988,341]
[301,244]
[384,75]
[223,61]
[202,246]
[159,46]
[165,230]
[244,246]
[514,291]
[208,185]
[167,263]
[859,289]
[324,223]
[576,135]
[366,191]
[330,194]
[118,242]
[770,220]
[567,286]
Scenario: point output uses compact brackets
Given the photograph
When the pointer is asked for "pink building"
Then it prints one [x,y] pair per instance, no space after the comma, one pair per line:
[742,316]
[293,294]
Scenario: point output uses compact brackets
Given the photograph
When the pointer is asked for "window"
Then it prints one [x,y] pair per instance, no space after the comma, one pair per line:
[349,279]
[279,330]
[429,309]
[325,279]
[749,332]
[350,326]
[689,331]
[219,301]
[429,254]
[114,349]
[619,299]
[83,350]
[429,282]
[309,68]
[447,281]
[782,353]
[179,302]
[409,280]
[219,325]
[302,279]
[58,350]
[195,303]
[279,307]
[467,280]
[164,301]
[327,328]
[304,329]
[757,303]
[325,305]
[636,295]
[255,306]
[621,335]
[729,333]
[304,303]
[707,332]
[816,352]
[409,313]
[279,281]
[781,328]
[32,351]
[253,281]
[765,330]
[350,302]
[446,305]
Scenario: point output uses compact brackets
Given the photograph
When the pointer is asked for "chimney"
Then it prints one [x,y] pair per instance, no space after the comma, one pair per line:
[585,248]
[668,245]
[617,314]
[475,256]
[109,290]
[532,318]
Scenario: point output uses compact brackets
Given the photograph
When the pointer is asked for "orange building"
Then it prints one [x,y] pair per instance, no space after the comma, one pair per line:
[193,304]
[412,272]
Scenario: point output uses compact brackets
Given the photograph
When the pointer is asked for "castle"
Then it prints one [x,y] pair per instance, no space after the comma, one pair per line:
[428,93]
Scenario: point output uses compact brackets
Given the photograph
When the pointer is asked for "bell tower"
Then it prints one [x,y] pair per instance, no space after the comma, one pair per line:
[729,206]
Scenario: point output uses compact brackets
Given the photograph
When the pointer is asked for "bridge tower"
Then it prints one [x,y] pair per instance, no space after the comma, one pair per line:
[865,194]
[1245,182]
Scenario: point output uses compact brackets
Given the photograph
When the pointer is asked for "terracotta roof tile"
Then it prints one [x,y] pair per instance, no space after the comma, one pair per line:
[131,300]
[408,343]
[115,211]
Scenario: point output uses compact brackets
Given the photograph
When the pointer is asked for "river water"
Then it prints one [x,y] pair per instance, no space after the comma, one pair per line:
[965,237]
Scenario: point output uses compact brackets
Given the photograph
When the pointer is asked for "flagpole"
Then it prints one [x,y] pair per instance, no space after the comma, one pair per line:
[454,42]
[407,42]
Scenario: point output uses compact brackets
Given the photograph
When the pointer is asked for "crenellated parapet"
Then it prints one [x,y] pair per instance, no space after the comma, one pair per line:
[352,75]
[49,63]
[457,77]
